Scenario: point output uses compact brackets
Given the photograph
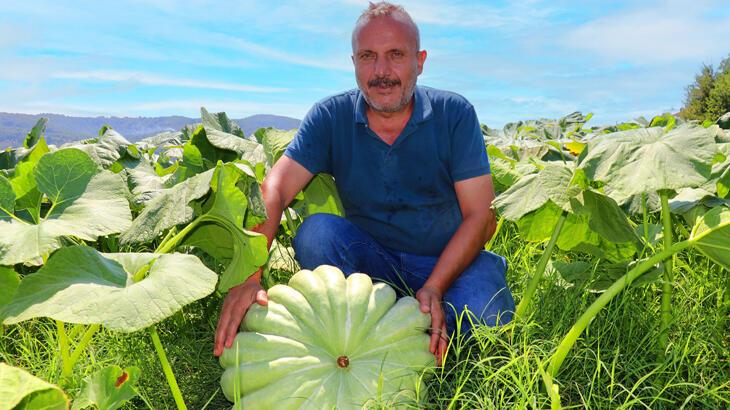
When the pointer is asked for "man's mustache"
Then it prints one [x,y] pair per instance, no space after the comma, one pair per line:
[383,81]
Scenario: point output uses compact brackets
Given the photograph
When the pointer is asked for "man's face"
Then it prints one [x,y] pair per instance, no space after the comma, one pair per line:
[387,63]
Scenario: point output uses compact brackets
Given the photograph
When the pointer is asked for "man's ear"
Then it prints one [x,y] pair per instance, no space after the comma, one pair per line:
[421,56]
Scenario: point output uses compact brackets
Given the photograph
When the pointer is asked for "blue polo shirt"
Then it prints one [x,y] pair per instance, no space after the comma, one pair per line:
[401,194]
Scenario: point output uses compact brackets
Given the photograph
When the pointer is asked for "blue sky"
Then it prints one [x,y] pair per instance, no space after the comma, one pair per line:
[512,59]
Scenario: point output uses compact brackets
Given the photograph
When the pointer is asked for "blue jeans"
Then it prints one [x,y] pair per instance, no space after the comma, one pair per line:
[325,239]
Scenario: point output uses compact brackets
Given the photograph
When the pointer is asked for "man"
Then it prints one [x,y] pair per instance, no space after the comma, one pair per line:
[412,171]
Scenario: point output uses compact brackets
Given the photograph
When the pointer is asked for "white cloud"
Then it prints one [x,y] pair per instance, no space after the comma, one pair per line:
[152,79]
[664,32]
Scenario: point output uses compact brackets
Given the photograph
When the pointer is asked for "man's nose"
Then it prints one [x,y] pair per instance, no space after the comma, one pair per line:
[382,66]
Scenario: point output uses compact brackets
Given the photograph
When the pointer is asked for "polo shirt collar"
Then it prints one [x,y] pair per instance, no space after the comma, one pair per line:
[422,110]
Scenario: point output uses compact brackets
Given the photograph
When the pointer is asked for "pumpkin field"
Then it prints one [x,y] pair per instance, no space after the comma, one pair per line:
[115,258]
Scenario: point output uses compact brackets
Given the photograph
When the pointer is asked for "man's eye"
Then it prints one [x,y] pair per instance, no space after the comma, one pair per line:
[397,54]
[367,56]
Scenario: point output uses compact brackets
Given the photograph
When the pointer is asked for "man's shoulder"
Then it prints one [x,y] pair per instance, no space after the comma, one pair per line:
[444,98]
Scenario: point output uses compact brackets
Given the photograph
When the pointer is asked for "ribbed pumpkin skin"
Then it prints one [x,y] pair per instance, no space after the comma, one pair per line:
[291,352]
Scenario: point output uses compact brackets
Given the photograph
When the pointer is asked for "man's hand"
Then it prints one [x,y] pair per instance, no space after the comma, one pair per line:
[430,299]
[235,306]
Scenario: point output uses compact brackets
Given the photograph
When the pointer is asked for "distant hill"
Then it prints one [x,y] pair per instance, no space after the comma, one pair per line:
[63,128]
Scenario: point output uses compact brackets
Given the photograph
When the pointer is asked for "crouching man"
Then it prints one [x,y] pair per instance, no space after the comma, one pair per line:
[411,169]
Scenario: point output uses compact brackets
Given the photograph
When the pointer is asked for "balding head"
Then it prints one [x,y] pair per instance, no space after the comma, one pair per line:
[384,9]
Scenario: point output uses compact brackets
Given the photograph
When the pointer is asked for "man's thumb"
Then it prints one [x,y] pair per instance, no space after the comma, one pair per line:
[262,298]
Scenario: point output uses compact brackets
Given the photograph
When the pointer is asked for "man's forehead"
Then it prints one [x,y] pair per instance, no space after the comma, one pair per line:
[382,28]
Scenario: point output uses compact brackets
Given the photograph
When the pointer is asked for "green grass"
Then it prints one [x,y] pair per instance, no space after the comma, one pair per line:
[616,363]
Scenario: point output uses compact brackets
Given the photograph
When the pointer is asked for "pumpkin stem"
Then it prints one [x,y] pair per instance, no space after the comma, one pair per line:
[343,361]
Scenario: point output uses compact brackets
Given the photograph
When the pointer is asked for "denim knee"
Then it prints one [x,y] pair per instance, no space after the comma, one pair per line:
[316,238]
[483,290]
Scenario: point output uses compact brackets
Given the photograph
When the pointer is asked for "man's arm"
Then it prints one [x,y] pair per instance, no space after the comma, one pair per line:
[475,196]
[282,183]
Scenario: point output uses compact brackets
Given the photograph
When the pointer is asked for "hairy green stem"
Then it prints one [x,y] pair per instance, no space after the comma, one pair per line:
[667,283]
[489,244]
[584,320]
[725,311]
[63,345]
[645,215]
[170,243]
[68,365]
[541,265]
[176,394]
[290,223]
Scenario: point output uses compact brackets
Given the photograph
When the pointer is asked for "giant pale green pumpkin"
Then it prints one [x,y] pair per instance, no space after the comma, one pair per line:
[328,342]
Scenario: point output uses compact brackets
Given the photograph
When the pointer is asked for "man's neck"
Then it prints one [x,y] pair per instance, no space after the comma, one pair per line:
[389,125]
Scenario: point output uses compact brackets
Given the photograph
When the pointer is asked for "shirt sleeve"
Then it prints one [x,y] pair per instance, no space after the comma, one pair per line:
[468,151]
[311,144]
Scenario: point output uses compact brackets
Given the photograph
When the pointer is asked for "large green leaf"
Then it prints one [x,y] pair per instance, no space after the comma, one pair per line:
[170,208]
[320,196]
[9,281]
[274,142]
[36,133]
[106,150]
[606,218]
[80,285]
[7,198]
[711,235]
[144,183]
[556,179]
[648,160]
[24,181]
[108,388]
[246,250]
[84,205]
[219,121]
[521,198]
[21,390]
[249,150]
[554,182]
[577,235]
[538,226]
[64,175]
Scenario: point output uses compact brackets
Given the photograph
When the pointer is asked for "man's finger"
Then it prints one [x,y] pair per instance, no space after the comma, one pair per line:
[262,298]
[232,330]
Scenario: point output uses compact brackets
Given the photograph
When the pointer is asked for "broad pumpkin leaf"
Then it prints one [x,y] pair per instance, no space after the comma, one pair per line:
[81,285]
[36,133]
[577,273]
[144,183]
[521,198]
[248,250]
[711,235]
[9,281]
[245,149]
[219,121]
[577,235]
[170,208]
[606,218]
[274,142]
[24,181]
[320,196]
[85,203]
[648,159]
[106,150]
[538,226]
[554,182]
[108,389]
[7,199]
[326,341]
[21,390]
